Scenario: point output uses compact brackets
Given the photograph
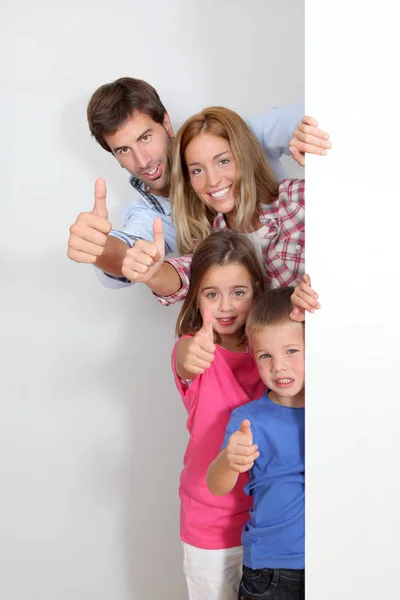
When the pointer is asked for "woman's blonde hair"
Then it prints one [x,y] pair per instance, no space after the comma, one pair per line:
[218,249]
[256,183]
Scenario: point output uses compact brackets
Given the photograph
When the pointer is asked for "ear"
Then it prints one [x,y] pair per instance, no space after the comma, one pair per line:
[168,126]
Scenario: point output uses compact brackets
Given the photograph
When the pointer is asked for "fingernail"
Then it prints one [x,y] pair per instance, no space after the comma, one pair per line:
[312,310]
[329,145]
[326,136]
[324,153]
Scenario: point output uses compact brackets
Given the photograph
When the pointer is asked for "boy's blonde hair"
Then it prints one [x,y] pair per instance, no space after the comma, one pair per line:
[256,183]
[270,308]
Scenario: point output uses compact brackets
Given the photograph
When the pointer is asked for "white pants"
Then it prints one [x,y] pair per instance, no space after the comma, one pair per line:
[212,574]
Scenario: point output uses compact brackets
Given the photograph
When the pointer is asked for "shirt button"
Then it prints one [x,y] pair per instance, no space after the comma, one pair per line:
[297,246]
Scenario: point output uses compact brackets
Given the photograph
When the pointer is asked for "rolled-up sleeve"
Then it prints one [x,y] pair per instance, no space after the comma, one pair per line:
[182,266]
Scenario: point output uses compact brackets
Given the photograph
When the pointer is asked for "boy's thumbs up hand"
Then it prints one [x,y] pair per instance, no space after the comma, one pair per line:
[142,261]
[240,451]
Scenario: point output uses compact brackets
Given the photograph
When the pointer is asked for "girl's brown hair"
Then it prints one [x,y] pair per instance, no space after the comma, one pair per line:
[256,182]
[220,248]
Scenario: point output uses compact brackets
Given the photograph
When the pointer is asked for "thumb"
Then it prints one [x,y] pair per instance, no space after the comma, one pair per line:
[307,279]
[207,328]
[158,236]
[310,121]
[100,193]
[245,428]
[298,314]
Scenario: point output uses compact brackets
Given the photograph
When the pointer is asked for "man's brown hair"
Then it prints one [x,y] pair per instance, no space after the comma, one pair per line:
[112,104]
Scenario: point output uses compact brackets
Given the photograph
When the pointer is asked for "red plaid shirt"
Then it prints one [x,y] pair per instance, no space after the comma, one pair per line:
[282,244]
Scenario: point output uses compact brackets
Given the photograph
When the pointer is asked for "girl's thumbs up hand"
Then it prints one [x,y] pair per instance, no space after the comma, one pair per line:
[201,350]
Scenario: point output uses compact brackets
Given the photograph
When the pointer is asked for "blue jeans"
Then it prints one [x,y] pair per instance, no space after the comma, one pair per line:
[274,584]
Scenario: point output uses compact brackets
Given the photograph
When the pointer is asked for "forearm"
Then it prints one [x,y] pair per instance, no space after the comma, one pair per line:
[112,258]
[166,281]
[221,479]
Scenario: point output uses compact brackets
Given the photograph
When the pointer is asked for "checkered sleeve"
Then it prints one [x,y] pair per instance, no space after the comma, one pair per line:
[292,190]
[284,255]
[182,267]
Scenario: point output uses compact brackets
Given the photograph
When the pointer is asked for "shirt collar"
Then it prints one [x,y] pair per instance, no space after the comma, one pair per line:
[266,213]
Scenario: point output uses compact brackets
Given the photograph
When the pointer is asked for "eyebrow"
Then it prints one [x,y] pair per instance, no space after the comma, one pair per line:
[296,345]
[214,158]
[234,287]
[138,140]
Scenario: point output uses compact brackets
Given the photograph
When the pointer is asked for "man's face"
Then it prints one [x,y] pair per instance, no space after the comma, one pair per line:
[144,148]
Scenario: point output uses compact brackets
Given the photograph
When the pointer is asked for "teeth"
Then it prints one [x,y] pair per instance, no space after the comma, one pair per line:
[221,193]
[226,319]
[284,380]
[152,171]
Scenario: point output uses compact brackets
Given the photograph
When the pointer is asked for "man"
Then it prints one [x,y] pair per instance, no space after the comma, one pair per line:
[128,119]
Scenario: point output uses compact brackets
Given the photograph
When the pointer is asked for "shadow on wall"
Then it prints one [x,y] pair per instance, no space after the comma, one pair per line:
[135,374]
[115,348]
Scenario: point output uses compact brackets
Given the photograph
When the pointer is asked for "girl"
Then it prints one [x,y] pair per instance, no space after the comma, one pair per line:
[221,180]
[214,374]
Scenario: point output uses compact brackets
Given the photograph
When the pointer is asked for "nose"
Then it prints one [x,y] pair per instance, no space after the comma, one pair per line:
[142,160]
[278,364]
[213,178]
[225,303]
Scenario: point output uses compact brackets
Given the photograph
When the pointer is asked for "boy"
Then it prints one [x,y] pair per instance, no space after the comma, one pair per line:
[266,437]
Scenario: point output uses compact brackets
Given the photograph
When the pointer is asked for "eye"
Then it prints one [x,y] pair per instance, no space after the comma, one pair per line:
[238,293]
[264,356]
[123,150]
[292,351]
[224,161]
[146,138]
[212,295]
[195,171]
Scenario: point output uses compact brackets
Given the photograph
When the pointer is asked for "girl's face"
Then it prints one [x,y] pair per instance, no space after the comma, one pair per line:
[213,172]
[227,293]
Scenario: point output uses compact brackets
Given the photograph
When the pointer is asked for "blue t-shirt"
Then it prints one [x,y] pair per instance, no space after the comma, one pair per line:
[274,535]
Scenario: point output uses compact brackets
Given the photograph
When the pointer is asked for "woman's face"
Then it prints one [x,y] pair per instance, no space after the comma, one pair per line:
[213,172]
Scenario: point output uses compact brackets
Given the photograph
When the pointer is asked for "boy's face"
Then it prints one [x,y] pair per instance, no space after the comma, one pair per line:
[279,353]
